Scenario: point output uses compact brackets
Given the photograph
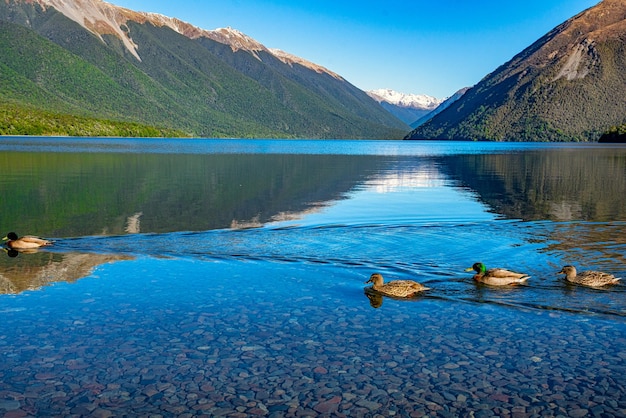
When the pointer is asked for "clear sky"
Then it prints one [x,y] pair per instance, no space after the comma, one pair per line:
[432,47]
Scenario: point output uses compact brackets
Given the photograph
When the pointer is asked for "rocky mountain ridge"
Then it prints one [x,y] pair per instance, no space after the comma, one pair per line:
[567,86]
[103,18]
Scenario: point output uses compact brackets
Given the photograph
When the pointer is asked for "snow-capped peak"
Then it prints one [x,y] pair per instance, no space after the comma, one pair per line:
[415,101]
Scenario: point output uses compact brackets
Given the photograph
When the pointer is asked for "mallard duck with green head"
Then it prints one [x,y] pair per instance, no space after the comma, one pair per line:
[497,276]
[27,242]
[396,288]
[588,278]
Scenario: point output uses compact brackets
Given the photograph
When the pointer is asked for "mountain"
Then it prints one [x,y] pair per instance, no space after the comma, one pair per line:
[567,86]
[406,107]
[89,60]
[443,106]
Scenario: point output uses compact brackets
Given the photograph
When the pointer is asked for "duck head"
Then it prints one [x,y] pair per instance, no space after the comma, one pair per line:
[478,268]
[376,278]
[568,271]
[11,236]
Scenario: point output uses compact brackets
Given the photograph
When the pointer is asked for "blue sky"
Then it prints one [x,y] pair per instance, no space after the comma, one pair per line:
[430,47]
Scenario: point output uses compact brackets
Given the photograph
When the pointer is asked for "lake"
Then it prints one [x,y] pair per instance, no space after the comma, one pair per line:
[226,278]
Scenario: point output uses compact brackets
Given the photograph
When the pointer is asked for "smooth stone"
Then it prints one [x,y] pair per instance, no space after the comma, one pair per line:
[9,405]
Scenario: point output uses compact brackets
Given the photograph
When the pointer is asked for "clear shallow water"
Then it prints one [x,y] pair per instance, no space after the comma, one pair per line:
[224,278]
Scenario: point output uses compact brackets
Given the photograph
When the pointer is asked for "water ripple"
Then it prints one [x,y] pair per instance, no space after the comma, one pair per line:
[434,254]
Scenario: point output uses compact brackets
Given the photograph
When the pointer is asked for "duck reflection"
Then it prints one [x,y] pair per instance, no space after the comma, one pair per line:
[36,269]
[375,298]
[10,252]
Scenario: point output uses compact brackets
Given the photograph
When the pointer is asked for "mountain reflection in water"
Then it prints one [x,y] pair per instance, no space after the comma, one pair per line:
[77,194]
[167,203]
[32,270]
[552,184]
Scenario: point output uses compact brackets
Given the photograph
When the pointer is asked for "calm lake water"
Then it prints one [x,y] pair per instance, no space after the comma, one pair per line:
[226,278]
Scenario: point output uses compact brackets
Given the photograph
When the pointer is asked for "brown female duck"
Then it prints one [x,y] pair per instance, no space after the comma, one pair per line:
[588,278]
[396,288]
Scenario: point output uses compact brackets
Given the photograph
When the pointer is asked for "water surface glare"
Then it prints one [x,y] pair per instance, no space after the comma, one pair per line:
[226,278]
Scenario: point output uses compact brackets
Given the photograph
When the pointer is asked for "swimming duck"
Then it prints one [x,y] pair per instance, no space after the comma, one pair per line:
[396,288]
[497,276]
[588,278]
[26,242]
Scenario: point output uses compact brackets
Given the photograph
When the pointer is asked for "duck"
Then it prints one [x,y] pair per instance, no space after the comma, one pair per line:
[395,288]
[497,276]
[26,242]
[588,278]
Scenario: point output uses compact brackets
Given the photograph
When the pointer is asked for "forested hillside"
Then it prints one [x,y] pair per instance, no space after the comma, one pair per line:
[51,65]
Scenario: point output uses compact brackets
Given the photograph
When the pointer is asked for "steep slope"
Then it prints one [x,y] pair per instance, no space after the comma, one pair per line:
[568,86]
[406,107]
[105,61]
[443,106]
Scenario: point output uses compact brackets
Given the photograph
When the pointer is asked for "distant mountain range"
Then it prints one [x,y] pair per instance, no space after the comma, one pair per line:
[570,85]
[87,62]
[406,107]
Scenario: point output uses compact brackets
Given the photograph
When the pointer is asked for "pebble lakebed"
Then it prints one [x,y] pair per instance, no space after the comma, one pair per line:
[221,353]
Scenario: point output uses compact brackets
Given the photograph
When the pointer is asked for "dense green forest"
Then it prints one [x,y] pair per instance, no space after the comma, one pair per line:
[23,120]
